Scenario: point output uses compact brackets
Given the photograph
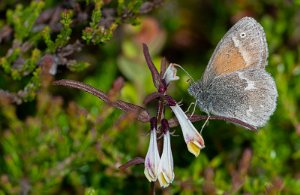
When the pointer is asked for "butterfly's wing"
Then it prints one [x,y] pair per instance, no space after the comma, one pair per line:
[235,83]
[243,46]
[249,95]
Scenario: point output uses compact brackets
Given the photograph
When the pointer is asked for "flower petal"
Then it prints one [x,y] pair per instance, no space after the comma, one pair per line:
[166,167]
[191,136]
[170,74]
[194,148]
[152,158]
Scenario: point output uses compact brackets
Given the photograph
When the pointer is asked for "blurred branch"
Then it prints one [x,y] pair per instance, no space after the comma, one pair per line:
[135,161]
[239,175]
[141,113]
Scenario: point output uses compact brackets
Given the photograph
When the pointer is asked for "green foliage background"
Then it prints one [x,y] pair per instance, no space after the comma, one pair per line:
[56,140]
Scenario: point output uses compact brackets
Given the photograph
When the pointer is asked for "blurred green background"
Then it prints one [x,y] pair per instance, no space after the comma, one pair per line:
[58,140]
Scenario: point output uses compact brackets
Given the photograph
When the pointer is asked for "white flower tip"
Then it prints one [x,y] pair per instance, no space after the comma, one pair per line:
[196,144]
[170,74]
[149,175]
[165,180]
[194,148]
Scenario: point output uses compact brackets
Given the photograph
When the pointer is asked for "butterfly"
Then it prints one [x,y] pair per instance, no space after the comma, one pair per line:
[235,83]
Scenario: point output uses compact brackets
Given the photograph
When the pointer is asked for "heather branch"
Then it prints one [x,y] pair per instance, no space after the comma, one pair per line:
[141,114]
[132,162]
[149,98]
[194,118]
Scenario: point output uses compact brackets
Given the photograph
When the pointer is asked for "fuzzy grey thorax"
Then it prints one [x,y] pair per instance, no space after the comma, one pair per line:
[199,92]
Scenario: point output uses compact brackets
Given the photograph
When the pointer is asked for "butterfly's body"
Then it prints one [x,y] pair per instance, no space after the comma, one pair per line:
[235,83]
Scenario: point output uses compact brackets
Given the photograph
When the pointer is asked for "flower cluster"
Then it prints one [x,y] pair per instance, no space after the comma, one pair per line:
[161,167]
[157,167]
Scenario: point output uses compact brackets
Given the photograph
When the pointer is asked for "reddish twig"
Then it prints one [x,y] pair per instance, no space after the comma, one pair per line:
[174,122]
[141,113]
[149,98]
[135,161]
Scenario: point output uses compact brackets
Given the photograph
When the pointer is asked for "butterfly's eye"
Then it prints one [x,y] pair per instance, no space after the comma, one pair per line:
[243,35]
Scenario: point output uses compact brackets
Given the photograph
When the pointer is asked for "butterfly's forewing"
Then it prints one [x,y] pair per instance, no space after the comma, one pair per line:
[243,46]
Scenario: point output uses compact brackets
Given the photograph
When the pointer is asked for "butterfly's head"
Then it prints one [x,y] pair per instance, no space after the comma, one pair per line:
[198,91]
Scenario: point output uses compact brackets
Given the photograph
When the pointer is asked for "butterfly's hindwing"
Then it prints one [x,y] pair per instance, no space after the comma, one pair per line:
[248,95]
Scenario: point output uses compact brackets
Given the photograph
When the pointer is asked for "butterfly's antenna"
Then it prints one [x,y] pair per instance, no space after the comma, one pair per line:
[184,71]
[204,124]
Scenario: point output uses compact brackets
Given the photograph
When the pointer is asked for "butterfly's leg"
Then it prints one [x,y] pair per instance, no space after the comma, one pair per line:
[204,124]
[193,103]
